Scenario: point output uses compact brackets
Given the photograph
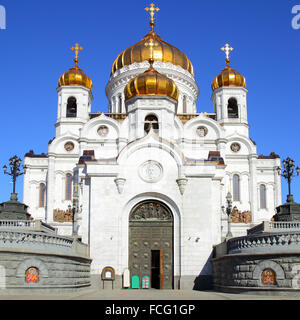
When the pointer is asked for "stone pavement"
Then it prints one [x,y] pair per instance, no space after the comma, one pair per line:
[117,294]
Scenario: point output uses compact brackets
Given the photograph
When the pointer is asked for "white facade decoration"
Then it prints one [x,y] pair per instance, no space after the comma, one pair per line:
[171,165]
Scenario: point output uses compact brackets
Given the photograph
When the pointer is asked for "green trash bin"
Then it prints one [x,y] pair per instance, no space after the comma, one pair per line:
[135,282]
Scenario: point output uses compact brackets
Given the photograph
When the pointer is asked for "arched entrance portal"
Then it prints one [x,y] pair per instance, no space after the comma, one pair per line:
[151,243]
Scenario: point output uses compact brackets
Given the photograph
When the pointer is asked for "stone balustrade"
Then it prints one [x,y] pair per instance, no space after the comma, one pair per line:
[40,241]
[34,225]
[268,227]
[24,224]
[284,225]
[265,242]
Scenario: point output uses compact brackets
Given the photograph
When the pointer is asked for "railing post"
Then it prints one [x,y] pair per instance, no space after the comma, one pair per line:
[266,226]
[38,225]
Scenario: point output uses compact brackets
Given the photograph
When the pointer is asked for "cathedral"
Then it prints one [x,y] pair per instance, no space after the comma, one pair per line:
[145,184]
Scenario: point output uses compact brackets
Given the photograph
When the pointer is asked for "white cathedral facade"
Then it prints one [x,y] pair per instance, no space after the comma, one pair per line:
[147,180]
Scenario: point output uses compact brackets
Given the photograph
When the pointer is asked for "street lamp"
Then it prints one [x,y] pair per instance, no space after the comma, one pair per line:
[228,211]
[73,209]
[14,164]
[288,173]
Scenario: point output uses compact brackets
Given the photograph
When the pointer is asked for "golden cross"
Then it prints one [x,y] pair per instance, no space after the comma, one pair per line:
[76,48]
[152,11]
[151,43]
[227,49]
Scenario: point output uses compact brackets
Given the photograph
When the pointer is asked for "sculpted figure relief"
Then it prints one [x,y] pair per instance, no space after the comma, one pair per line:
[150,211]
[62,215]
[241,217]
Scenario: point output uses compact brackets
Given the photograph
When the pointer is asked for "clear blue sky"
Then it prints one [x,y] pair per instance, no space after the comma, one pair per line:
[35,51]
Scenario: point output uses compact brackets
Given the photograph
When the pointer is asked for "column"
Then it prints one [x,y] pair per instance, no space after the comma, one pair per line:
[50,189]
[253,186]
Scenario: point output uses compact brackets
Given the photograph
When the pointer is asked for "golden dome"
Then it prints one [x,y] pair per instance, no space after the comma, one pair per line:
[151,82]
[162,52]
[75,76]
[229,78]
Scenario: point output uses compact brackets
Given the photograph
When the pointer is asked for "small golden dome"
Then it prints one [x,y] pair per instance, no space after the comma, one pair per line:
[75,76]
[229,78]
[162,52]
[151,82]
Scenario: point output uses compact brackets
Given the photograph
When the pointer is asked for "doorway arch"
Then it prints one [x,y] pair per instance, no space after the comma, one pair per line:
[151,253]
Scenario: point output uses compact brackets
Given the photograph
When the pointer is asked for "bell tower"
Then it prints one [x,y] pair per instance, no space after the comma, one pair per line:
[230,95]
[74,98]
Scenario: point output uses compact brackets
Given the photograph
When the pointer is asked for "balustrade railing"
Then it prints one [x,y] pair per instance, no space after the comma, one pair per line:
[284,225]
[289,240]
[37,235]
[28,237]
[17,224]
[268,226]
[35,225]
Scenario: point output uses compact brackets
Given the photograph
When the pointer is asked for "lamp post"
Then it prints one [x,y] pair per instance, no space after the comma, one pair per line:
[74,209]
[289,173]
[228,211]
[14,164]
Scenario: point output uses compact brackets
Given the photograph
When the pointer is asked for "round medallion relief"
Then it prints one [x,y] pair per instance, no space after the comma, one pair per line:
[235,147]
[202,131]
[69,146]
[151,171]
[103,131]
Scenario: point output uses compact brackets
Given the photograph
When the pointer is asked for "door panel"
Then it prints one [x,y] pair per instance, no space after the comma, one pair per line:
[149,234]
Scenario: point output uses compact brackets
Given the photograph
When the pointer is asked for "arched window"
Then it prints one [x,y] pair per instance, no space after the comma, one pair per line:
[68,186]
[233,109]
[262,196]
[236,188]
[42,199]
[120,104]
[184,104]
[151,120]
[72,108]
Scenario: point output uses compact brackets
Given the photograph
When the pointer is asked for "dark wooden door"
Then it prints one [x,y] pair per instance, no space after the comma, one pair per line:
[151,232]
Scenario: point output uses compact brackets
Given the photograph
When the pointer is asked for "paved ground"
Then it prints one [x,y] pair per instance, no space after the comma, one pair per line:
[115,295]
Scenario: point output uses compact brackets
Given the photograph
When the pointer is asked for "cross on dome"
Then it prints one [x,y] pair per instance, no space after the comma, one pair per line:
[152,10]
[151,44]
[76,49]
[227,49]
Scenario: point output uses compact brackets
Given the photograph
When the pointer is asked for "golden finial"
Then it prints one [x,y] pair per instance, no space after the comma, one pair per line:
[227,49]
[76,48]
[152,11]
[151,44]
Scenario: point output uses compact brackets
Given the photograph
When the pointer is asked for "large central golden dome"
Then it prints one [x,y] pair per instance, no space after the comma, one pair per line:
[162,52]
